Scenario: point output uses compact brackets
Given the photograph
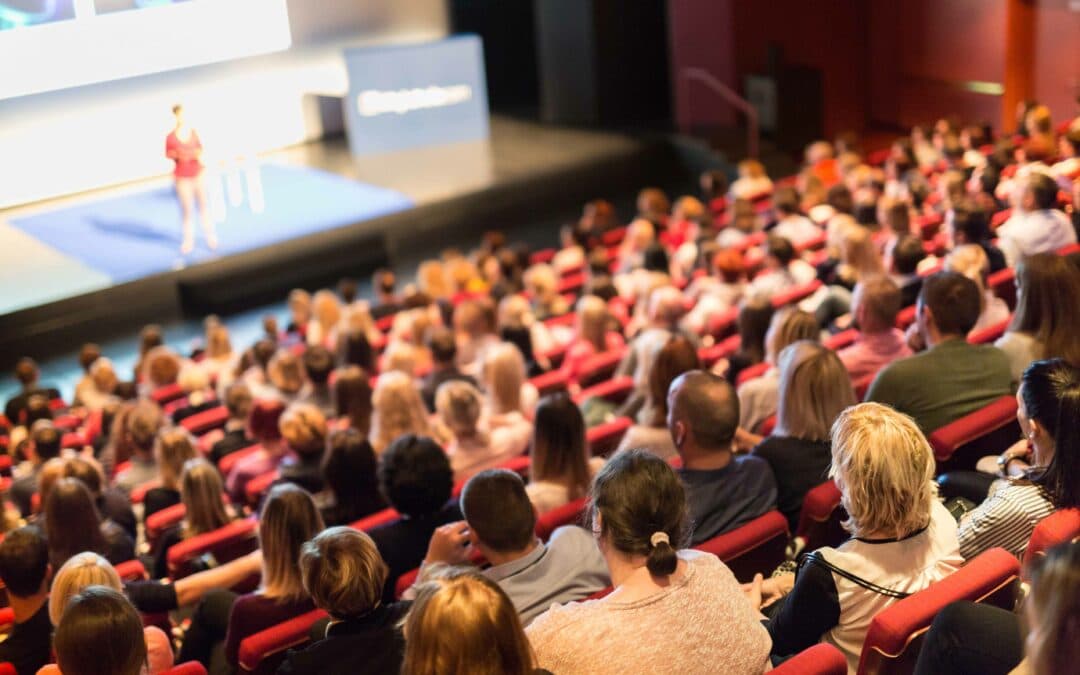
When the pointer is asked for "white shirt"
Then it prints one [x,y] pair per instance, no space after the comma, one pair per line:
[796,229]
[1042,231]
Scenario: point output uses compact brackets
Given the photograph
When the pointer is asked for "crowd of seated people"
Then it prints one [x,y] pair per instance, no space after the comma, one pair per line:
[509,465]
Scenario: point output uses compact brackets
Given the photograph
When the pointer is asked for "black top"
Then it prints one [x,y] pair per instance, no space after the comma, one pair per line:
[152,597]
[305,471]
[29,646]
[403,543]
[22,492]
[169,538]
[994,255]
[797,621]
[159,498]
[437,377]
[115,505]
[189,410]
[232,441]
[371,644]
[17,403]
[385,309]
[798,465]
[909,291]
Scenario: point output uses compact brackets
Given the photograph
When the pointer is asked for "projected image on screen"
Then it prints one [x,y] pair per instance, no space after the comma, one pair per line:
[22,13]
[106,6]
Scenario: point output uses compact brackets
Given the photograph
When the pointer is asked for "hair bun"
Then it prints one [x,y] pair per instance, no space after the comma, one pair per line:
[662,559]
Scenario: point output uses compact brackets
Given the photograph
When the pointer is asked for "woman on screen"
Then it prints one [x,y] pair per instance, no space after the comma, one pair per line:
[182,146]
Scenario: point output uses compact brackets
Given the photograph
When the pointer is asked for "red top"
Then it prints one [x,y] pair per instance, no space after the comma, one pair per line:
[185,154]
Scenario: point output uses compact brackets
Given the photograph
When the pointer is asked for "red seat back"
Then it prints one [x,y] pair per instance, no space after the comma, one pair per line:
[1057,528]
[821,659]
[207,420]
[7,669]
[519,465]
[375,520]
[167,393]
[905,317]
[138,493]
[158,522]
[987,431]
[568,514]
[721,350]
[1003,284]
[758,546]
[750,372]
[842,339]
[259,486]
[264,651]
[990,333]
[600,367]
[895,634]
[797,294]
[550,382]
[131,570]
[722,324]
[604,438]
[225,543]
[226,463]
[615,390]
[820,518]
[189,668]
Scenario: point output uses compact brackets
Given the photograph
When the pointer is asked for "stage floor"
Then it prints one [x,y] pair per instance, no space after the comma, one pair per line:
[66,247]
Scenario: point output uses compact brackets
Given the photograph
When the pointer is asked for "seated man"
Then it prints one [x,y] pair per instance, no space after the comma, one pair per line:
[415,477]
[906,256]
[783,270]
[319,364]
[500,524]
[443,353]
[1037,226]
[724,490]
[25,571]
[27,373]
[952,378]
[791,224]
[43,445]
[238,400]
[874,306]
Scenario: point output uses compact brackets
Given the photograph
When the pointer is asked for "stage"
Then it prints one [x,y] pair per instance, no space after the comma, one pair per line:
[90,266]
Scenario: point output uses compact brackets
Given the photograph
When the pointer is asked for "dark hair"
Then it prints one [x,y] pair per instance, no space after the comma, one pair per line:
[37,408]
[754,317]
[709,407]
[355,350]
[100,633]
[24,560]
[347,289]
[865,213]
[415,475]
[262,351]
[46,442]
[675,358]
[89,353]
[263,420]
[441,343]
[238,400]
[839,197]
[1051,393]
[319,363]
[655,258]
[498,510]
[72,521]
[521,338]
[82,470]
[1044,190]
[973,223]
[781,249]
[786,200]
[558,444]
[149,337]
[1048,293]
[349,469]
[26,371]
[907,254]
[352,397]
[954,301]
[637,495]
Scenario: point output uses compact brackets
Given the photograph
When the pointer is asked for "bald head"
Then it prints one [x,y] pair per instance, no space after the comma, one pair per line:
[702,409]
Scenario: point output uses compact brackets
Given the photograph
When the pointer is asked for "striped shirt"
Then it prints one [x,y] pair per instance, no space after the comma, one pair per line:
[1006,519]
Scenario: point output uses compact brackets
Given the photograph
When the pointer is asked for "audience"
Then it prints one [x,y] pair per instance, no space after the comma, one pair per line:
[201,493]
[349,473]
[500,525]
[723,490]
[903,539]
[141,426]
[444,368]
[319,364]
[508,395]
[560,470]
[593,335]
[971,261]
[27,373]
[73,525]
[238,401]
[951,378]
[471,449]
[264,427]
[172,449]
[26,574]
[44,444]
[639,516]
[1037,225]
[303,427]
[874,306]
[98,634]
[758,396]
[651,433]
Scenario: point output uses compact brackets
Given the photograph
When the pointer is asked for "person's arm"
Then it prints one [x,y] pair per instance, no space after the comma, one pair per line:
[808,612]
[191,589]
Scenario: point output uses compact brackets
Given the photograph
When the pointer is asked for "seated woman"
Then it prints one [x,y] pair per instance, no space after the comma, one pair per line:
[342,571]
[352,399]
[514,317]
[903,539]
[398,409]
[1049,416]
[486,636]
[263,426]
[303,426]
[72,525]
[651,432]
[971,261]
[348,470]
[758,397]
[1045,324]
[509,398]
[195,383]
[289,518]
[471,449]
[688,597]
[172,449]
[592,337]
[99,633]
[561,469]
[814,390]
[980,639]
[91,570]
[203,497]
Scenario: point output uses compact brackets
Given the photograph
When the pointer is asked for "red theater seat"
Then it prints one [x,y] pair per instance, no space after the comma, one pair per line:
[519,465]
[264,651]
[767,426]
[131,570]
[615,390]
[169,392]
[189,668]
[821,659]
[544,255]
[750,372]
[138,493]
[721,350]
[604,438]
[820,518]
[600,367]
[158,522]
[207,420]
[569,514]
[842,339]
[259,486]
[987,431]
[905,317]
[862,385]
[226,463]
[550,382]
[225,543]
[722,324]
[989,334]
[7,668]
[1003,284]
[1057,528]
[895,634]
[375,520]
[7,619]
[797,294]
[758,546]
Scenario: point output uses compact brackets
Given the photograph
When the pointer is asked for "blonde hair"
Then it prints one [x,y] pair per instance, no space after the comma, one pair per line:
[201,492]
[688,208]
[217,342]
[51,471]
[884,468]
[787,326]
[971,261]
[343,572]
[462,622]
[592,317]
[300,304]
[401,357]
[289,518]
[103,375]
[814,389]
[303,426]
[80,571]
[751,168]
[542,281]
[286,372]
[432,280]
[398,410]
[504,376]
[514,312]
[458,404]
[193,379]
[326,309]
[172,448]
[859,252]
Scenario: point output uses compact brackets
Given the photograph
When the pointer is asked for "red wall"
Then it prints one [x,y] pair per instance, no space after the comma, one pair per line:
[1057,57]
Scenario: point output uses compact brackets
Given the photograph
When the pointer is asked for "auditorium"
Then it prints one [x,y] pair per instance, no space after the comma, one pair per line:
[476,337]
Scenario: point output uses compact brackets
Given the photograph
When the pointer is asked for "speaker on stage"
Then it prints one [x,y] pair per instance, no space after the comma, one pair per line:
[602,61]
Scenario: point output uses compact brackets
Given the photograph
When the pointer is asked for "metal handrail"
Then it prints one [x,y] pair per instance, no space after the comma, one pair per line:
[688,75]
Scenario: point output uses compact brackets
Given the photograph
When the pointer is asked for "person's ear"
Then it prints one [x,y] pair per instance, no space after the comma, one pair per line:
[678,433]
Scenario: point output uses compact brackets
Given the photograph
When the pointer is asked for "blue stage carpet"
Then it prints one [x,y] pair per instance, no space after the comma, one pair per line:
[138,234]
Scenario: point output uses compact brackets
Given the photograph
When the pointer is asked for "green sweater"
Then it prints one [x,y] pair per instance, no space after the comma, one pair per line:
[944,383]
